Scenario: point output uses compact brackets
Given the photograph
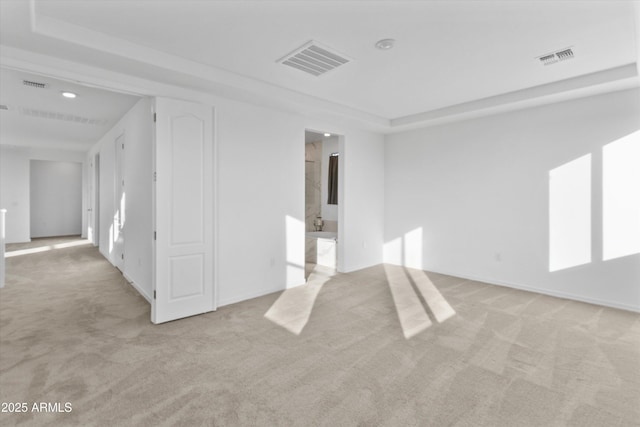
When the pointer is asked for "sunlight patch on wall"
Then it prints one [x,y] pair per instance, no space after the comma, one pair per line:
[116,226]
[405,250]
[570,214]
[621,197]
[392,251]
[111,240]
[413,249]
[122,209]
[294,229]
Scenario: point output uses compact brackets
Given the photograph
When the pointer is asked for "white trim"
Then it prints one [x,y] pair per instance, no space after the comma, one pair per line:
[137,287]
[362,267]
[257,294]
[105,255]
[216,194]
[557,294]
[611,80]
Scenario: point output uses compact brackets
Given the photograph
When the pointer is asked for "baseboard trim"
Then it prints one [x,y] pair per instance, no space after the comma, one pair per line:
[549,292]
[105,255]
[251,295]
[137,287]
[351,269]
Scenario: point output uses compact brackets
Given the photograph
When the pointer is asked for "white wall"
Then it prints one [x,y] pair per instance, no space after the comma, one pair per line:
[361,198]
[260,200]
[14,192]
[136,125]
[58,155]
[472,198]
[56,198]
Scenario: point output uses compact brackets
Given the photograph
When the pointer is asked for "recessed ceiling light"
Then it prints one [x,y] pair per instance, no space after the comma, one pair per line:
[327,134]
[69,95]
[385,44]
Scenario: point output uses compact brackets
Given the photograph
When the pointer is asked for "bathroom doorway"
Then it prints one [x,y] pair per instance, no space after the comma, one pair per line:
[322,175]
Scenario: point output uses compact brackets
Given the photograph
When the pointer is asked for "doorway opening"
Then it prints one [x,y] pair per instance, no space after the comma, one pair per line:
[322,196]
[55,189]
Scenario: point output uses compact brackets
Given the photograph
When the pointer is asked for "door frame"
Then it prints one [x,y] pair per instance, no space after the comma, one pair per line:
[95,203]
[341,198]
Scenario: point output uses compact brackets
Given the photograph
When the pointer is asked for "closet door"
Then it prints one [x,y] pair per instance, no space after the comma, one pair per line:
[183,259]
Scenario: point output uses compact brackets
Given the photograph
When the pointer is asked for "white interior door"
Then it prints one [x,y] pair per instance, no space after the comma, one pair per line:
[120,195]
[183,259]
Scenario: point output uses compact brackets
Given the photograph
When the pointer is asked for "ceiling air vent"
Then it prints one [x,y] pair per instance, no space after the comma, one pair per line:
[53,115]
[314,59]
[4,107]
[37,85]
[554,57]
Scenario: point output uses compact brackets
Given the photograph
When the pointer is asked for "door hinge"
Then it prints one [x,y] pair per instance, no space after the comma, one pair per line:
[123,182]
[123,145]
[155,176]
[122,256]
[154,117]
[154,235]
[154,294]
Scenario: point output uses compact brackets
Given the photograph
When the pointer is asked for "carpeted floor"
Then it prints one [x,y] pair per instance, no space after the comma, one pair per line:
[385,346]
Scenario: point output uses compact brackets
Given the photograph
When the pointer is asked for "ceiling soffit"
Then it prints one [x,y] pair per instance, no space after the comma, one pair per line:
[616,78]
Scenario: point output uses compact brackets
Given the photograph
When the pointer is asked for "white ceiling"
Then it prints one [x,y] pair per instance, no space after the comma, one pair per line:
[44,118]
[450,56]
[311,136]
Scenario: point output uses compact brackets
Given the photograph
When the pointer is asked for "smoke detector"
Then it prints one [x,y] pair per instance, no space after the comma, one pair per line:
[314,58]
[385,44]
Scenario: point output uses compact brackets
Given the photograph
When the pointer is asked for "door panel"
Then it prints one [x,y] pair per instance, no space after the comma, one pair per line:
[186,275]
[183,269]
[187,164]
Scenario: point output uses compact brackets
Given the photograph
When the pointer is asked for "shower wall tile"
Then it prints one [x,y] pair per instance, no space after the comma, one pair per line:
[313,159]
[330,226]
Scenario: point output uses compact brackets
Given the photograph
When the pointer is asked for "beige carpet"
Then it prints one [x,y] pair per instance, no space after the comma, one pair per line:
[380,347]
